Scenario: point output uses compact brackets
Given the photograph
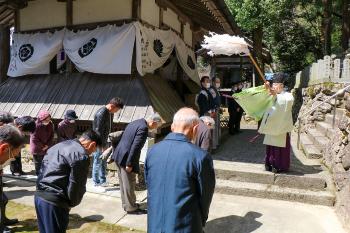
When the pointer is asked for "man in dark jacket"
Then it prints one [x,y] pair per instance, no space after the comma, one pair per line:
[11,141]
[67,127]
[127,155]
[235,111]
[180,179]
[102,125]
[62,180]
[205,100]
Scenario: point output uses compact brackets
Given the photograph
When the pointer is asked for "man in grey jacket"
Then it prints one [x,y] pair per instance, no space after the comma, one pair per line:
[62,180]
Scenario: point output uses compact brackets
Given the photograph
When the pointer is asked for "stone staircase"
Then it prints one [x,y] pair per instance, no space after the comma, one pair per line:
[315,140]
[252,180]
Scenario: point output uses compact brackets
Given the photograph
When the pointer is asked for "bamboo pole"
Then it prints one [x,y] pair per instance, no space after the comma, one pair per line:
[257,67]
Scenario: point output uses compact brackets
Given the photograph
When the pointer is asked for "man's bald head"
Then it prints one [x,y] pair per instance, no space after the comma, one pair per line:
[186,122]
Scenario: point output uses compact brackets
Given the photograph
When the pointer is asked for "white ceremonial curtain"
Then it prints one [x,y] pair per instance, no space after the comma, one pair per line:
[153,48]
[187,59]
[32,53]
[105,50]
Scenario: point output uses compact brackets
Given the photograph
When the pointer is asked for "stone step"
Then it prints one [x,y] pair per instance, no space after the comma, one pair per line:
[326,129]
[230,187]
[255,173]
[318,139]
[311,151]
[340,111]
[329,119]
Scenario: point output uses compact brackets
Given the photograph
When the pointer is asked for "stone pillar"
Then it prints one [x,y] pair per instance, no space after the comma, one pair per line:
[346,69]
[327,67]
[4,52]
[336,74]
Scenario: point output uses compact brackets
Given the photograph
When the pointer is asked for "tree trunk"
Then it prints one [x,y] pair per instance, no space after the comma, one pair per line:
[327,27]
[345,25]
[258,47]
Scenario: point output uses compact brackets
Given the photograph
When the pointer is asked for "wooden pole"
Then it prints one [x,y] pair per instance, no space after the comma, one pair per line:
[4,51]
[261,75]
[69,22]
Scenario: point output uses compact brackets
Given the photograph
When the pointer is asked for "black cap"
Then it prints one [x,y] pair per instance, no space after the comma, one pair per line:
[279,77]
[70,115]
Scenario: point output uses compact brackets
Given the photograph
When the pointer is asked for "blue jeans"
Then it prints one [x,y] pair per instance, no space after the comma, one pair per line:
[99,167]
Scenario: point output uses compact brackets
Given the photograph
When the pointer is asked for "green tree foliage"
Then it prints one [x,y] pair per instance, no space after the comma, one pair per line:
[292,29]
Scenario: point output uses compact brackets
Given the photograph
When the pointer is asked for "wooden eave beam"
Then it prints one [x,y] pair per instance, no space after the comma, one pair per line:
[220,18]
[7,19]
[5,14]
[167,4]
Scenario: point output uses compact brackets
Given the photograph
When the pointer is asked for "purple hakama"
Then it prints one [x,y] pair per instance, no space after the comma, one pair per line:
[279,157]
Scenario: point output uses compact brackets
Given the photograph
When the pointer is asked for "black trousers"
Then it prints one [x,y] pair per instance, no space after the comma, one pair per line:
[3,203]
[16,166]
[51,218]
[234,122]
[38,159]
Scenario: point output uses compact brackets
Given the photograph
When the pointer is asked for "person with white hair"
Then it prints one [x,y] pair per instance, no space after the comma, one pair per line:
[204,134]
[180,179]
[127,155]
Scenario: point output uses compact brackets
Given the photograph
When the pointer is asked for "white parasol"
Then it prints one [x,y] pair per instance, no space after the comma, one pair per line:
[229,45]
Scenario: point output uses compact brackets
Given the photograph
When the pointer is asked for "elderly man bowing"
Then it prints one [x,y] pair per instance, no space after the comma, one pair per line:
[180,179]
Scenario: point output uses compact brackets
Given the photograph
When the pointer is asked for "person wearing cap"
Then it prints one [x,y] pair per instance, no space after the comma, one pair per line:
[66,128]
[127,155]
[42,138]
[276,124]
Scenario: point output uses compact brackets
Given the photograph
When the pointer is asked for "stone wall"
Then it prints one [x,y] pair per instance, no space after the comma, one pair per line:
[337,155]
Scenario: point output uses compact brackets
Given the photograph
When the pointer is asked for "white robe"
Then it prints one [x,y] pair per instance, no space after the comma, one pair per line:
[277,120]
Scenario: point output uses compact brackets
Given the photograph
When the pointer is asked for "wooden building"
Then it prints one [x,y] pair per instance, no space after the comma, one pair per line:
[85,92]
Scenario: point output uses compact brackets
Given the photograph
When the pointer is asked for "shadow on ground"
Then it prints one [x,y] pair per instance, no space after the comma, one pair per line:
[16,194]
[248,147]
[234,224]
[75,221]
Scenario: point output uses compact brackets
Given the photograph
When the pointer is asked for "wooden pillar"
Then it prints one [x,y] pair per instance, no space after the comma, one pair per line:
[69,22]
[179,81]
[4,51]
[161,14]
[136,9]
[17,21]
[241,66]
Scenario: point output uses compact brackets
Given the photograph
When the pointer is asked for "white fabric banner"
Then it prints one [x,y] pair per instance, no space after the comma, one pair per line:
[153,48]
[187,59]
[105,50]
[32,53]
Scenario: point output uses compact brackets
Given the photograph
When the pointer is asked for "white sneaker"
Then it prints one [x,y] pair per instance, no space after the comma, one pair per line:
[104,184]
[99,189]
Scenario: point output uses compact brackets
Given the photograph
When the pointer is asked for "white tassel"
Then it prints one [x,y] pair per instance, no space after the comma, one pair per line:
[225,45]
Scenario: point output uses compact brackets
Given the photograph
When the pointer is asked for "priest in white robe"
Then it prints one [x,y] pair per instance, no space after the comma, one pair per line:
[276,124]
[275,109]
